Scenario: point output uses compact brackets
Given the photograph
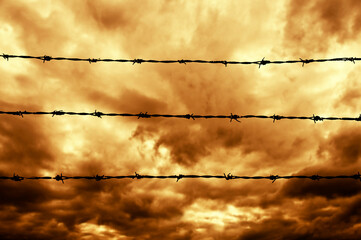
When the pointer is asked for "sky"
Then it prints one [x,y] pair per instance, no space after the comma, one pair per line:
[191,208]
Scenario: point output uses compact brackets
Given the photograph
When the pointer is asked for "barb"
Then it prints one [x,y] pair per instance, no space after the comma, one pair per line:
[351,59]
[59,113]
[19,113]
[15,178]
[274,117]
[307,61]
[98,178]
[263,62]
[234,117]
[228,176]
[136,175]
[190,116]
[137,61]
[92,60]
[273,178]
[143,115]
[359,118]
[60,178]
[315,177]
[317,118]
[357,176]
[182,61]
[6,57]
[46,58]
[179,177]
[98,114]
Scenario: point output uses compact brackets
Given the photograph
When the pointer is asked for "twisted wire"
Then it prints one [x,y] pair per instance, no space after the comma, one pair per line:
[260,63]
[274,117]
[228,176]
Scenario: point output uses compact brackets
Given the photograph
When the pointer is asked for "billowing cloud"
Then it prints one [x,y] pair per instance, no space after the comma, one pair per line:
[316,26]
[188,208]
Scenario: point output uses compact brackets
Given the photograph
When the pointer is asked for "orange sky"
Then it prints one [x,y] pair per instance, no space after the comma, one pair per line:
[191,208]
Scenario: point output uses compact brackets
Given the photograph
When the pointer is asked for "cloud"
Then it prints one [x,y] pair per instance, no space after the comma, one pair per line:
[343,148]
[315,26]
[24,145]
[349,96]
[190,208]
[129,101]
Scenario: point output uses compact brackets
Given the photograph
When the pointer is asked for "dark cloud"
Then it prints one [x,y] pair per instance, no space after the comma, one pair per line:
[343,147]
[314,26]
[190,208]
[350,97]
[129,101]
[110,15]
[25,208]
[338,155]
[266,230]
[329,189]
[350,213]
[24,145]
[314,215]
[185,149]
[190,143]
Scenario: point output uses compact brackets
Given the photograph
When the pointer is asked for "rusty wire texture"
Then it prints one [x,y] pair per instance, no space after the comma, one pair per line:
[232,116]
[260,63]
[228,176]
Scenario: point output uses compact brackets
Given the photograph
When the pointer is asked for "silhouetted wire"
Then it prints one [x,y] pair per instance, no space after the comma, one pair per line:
[229,176]
[232,116]
[260,63]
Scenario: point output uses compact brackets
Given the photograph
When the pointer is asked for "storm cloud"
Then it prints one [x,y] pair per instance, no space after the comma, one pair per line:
[189,208]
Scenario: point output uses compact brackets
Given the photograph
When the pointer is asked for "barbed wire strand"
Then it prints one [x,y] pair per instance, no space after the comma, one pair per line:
[314,118]
[229,176]
[260,63]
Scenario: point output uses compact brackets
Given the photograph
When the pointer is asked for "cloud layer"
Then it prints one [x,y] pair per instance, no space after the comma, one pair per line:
[190,208]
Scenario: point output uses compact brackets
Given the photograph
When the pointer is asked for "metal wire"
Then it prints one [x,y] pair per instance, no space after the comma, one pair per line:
[229,176]
[314,118]
[263,62]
